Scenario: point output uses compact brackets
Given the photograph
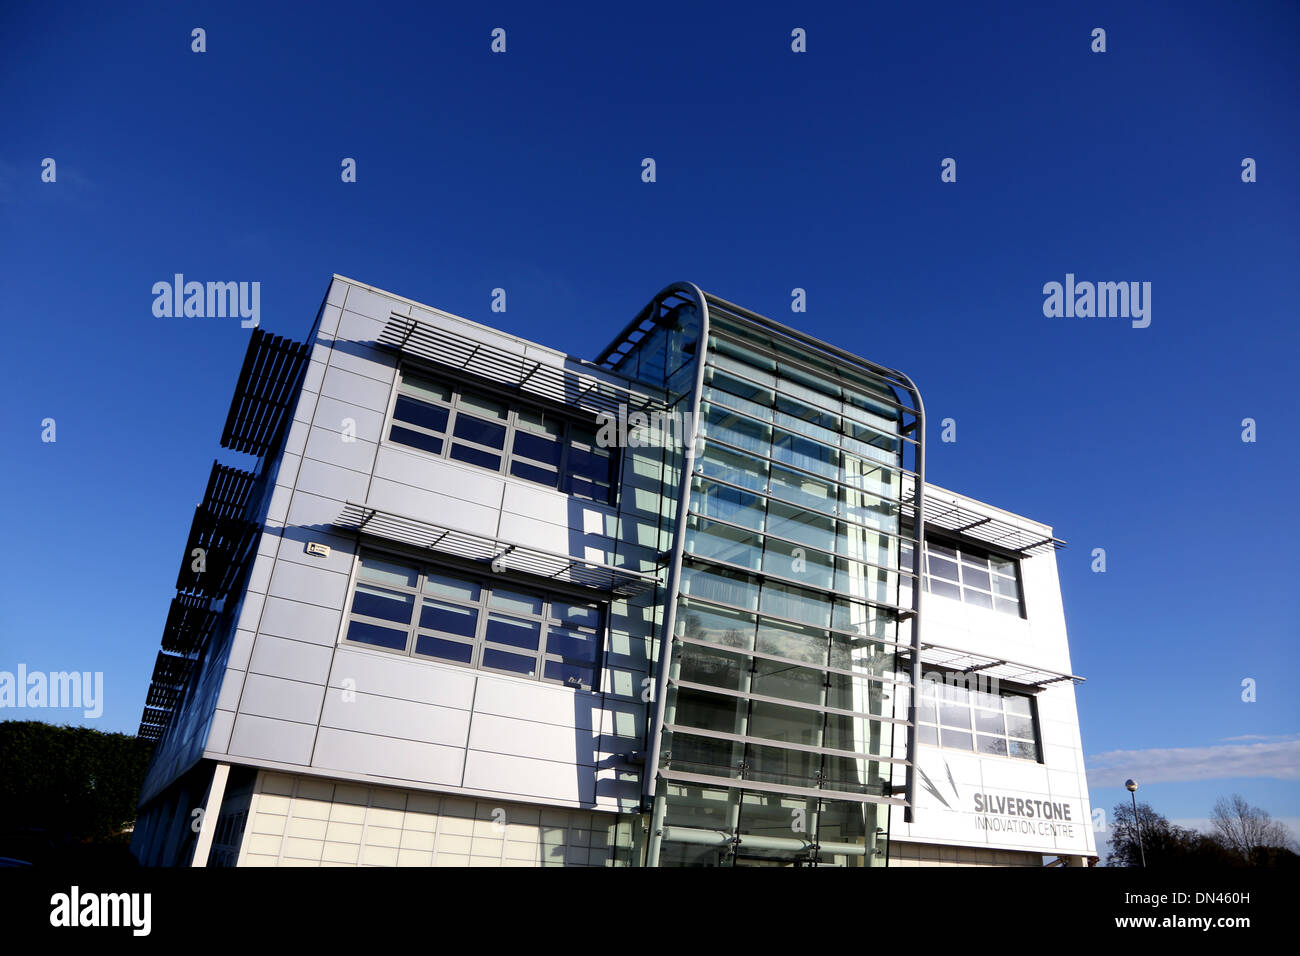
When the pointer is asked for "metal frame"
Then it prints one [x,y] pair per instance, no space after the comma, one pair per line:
[506,453]
[637,330]
[479,642]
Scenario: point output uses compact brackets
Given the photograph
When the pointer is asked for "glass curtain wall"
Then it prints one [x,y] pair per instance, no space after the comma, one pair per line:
[785,716]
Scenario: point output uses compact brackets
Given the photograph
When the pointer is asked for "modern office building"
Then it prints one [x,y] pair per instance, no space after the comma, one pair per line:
[483,603]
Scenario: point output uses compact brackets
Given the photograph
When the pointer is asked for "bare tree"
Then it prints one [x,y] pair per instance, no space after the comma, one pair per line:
[1247,831]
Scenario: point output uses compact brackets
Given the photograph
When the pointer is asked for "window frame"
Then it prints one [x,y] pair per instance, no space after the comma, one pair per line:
[548,620]
[961,548]
[568,425]
[973,708]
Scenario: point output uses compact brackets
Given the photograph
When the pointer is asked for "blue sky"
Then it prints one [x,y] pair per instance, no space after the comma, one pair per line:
[775,170]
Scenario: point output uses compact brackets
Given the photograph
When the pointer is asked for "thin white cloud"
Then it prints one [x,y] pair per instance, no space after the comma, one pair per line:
[1206,826]
[1277,759]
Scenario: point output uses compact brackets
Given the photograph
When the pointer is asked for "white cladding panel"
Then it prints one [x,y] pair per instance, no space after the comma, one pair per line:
[296,696]
[967,798]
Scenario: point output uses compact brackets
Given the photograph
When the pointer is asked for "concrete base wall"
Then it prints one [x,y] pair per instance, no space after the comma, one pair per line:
[922,854]
[315,821]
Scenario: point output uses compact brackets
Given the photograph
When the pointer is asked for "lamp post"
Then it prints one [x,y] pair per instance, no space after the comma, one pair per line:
[1132,786]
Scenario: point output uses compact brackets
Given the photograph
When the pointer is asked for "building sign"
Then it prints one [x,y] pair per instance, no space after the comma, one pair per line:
[974,814]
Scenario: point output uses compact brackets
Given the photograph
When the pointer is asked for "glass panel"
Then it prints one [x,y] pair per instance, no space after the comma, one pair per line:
[810,607]
[443,650]
[790,724]
[955,715]
[515,663]
[479,431]
[935,586]
[450,618]
[408,410]
[425,388]
[444,585]
[405,436]
[1023,748]
[985,699]
[483,406]
[537,422]
[515,601]
[570,672]
[803,490]
[736,430]
[700,665]
[739,387]
[719,758]
[943,569]
[989,722]
[542,476]
[805,454]
[386,572]
[704,808]
[1020,727]
[992,745]
[512,631]
[957,740]
[572,645]
[474,456]
[727,504]
[708,539]
[763,814]
[729,628]
[861,695]
[801,525]
[587,615]
[731,467]
[381,603]
[976,579]
[539,449]
[377,636]
[716,712]
[854,775]
[789,640]
[1016,704]
[796,768]
[977,598]
[788,682]
[858,734]
[803,564]
[1003,566]
[724,586]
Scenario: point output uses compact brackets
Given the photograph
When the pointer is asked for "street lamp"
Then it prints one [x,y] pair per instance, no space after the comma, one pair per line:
[1132,786]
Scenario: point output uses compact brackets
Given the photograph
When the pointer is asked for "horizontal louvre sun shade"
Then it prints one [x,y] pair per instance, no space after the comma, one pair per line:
[573,389]
[266,386]
[503,555]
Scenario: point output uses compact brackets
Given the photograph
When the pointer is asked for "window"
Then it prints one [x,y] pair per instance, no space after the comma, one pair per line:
[487,432]
[460,619]
[970,575]
[957,717]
